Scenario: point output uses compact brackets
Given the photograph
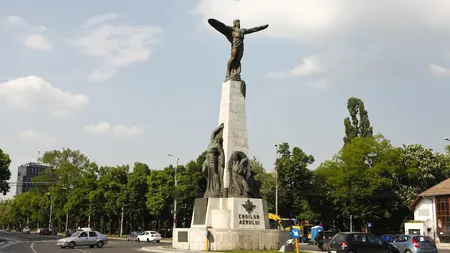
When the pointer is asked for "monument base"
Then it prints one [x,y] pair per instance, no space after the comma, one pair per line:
[231,224]
[228,239]
[230,213]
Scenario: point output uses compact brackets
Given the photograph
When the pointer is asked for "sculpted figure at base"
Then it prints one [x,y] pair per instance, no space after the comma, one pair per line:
[214,164]
[235,36]
[242,182]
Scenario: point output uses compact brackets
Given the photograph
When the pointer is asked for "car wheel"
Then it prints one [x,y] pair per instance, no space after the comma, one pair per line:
[128,239]
[71,245]
[91,246]
[63,247]
[157,241]
[148,240]
[99,244]
[138,240]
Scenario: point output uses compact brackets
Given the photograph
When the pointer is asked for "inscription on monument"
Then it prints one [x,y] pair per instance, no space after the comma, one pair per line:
[200,207]
[182,236]
[249,218]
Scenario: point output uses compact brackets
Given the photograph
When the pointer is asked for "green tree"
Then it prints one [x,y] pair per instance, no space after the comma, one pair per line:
[268,183]
[295,183]
[137,188]
[160,195]
[360,180]
[5,173]
[358,124]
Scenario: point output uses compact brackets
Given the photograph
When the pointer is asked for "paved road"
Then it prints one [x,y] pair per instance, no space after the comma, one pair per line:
[18,243]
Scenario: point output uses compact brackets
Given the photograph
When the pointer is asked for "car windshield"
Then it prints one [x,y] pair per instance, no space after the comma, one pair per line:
[75,234]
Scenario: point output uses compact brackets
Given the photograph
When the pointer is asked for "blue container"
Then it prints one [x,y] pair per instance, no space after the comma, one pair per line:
[314,231]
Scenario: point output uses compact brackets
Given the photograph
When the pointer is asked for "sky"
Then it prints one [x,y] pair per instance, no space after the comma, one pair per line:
[132,81]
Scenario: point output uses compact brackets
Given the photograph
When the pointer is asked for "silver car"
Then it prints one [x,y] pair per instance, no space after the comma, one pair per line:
[83,238]
[413,243]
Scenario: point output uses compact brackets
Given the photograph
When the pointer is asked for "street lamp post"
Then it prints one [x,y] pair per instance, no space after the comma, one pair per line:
[276,179]
[121,223]
[50,215]
[176,190]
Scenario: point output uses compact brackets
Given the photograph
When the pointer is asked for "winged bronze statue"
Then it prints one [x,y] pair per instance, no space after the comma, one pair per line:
[235,36]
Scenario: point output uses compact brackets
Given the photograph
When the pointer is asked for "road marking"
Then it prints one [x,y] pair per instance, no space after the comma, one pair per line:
[32,248]
[81,251]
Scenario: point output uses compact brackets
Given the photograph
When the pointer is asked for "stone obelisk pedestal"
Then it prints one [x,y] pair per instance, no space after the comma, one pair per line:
[230,223]
[232,114]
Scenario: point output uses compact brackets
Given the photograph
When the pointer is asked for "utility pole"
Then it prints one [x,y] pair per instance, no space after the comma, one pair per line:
[176,193]
[351,223]
[276,179]
[121,223]
[90,206]
[50,216]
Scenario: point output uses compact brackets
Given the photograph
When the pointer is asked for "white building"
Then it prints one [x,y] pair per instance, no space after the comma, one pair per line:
[432,212]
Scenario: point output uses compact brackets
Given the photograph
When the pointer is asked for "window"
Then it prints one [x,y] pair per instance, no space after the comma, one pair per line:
[394,239]
[92,234]
[443,215]
[83,234]
[374,239]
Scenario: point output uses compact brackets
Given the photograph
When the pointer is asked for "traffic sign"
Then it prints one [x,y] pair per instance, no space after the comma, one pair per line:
[369,224]
[295,233]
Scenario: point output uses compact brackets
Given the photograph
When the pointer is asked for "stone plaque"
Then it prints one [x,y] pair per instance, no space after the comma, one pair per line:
[182,236]
[200,207]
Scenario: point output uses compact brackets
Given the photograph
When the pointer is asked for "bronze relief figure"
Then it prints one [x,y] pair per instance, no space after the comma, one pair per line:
[214,164]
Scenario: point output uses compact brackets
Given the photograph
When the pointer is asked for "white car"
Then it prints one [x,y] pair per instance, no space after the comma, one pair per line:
[149,236]
[83,238]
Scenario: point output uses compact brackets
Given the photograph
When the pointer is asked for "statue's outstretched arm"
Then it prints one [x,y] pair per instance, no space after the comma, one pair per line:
[216,131]
[256,29]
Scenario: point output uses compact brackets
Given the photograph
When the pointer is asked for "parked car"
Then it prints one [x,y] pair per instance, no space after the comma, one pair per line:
[413,243]
[83,238]
[149,236]
[386,237]
[133,236]
[358,242]
[69,232]
[43,231]
[323,238]
[26,230]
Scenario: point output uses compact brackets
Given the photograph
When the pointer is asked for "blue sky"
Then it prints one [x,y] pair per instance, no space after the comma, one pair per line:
[132,81]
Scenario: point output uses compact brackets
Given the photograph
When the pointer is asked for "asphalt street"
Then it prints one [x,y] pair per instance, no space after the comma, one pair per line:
[31,243]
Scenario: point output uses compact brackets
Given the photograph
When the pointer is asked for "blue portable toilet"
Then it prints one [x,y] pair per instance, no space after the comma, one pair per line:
[314,231]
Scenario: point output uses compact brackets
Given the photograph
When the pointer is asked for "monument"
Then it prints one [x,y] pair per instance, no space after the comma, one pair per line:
[231,215]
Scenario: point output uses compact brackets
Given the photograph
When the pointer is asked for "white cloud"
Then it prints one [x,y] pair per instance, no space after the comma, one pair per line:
[127,131]
[34,40]
[98,128]
[34,93]
[99,19]
[38,42]
[33,136]
[116,46]
[116,130]
[439,70]
[310,65]
[15,20]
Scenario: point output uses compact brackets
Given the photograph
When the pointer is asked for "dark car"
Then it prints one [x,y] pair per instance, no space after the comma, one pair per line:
[323,238]
[358,242]
[386,237]
[133,236]
[69,232]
